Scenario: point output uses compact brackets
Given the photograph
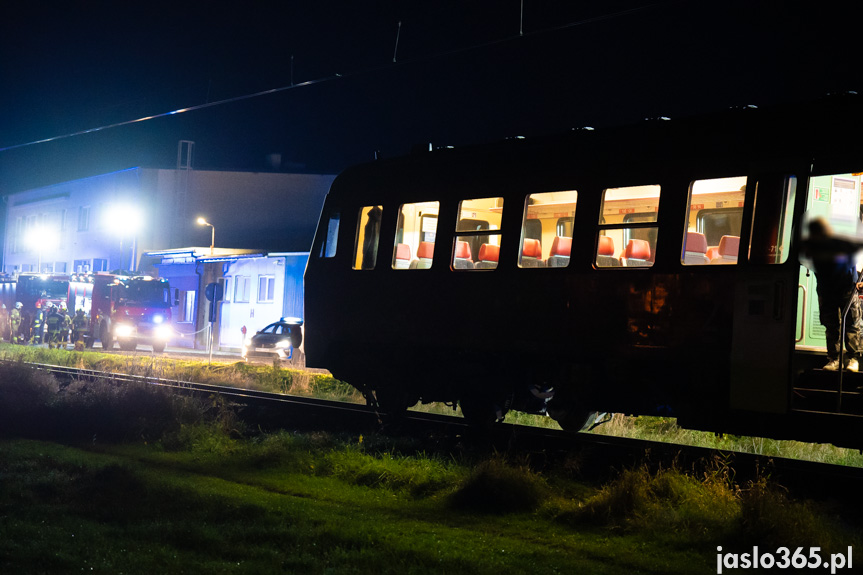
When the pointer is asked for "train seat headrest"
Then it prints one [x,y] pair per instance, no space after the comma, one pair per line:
[729,245]
[637,249]
[696,242]
[426,250]
[403,252]
[489,253]
[462,250]
[532,248]
[561,246]
[606,246]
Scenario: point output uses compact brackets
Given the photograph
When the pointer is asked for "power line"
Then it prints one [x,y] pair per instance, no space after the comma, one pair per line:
[331,77]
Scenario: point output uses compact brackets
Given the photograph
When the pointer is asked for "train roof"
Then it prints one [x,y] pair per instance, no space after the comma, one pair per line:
[735,139]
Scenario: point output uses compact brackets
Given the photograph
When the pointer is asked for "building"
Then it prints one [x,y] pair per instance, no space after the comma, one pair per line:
[105,222]
[258,289]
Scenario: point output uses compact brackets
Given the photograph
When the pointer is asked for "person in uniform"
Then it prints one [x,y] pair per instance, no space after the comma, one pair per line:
[79,328]
[15,323]
[36,337]
[53,325]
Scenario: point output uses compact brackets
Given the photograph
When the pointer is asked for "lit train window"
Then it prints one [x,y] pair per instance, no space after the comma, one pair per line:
[368,234]
[415,236]
[627,235]
[715,214]
[546,230]
[330,241]
[477,241]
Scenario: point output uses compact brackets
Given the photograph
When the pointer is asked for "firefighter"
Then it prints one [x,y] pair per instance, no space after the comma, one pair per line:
[66,331]
[38,325]
[15,322]
[53,325]
[79,328]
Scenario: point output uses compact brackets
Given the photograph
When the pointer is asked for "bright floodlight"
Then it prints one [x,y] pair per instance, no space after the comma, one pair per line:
[124,219]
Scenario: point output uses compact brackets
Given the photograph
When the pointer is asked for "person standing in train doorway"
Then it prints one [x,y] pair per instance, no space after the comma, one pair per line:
[832,259]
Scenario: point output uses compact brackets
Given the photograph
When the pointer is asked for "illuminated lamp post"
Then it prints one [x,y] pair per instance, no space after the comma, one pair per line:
[203,222]
[126,220]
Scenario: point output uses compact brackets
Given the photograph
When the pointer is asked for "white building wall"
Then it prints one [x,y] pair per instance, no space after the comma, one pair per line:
[257,312]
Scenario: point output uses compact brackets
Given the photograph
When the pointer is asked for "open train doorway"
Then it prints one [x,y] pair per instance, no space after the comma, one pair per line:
[835,198]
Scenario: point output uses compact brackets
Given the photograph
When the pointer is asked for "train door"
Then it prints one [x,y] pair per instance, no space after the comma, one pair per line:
[835,198]
[764,299]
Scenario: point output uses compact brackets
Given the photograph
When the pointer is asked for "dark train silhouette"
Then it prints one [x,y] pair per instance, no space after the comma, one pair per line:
[649,269]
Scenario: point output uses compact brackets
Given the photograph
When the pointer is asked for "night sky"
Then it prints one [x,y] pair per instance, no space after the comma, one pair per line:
[463,75]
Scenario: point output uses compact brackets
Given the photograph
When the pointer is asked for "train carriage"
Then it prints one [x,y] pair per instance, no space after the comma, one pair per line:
[648,269]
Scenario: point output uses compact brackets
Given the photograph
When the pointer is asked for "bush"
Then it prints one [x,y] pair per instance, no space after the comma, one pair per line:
[26,398]
[494,486]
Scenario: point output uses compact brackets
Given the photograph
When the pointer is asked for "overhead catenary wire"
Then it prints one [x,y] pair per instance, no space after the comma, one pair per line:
[335,76]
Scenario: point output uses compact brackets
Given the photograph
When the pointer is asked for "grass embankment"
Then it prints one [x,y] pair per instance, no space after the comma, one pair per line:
[278,379]
[148,482]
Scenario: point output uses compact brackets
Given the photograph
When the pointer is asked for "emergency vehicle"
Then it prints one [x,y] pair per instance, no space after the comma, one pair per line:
[126,309]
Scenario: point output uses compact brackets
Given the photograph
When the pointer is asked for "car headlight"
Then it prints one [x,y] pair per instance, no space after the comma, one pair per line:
[158,318]
[285,343]
[162,332]
[248,341]
[123,330]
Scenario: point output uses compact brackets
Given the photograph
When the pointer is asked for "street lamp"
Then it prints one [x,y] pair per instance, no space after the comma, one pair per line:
[203,222]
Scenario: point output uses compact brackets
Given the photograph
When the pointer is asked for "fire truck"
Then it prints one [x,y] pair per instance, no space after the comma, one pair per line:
[36,290]
[126,309]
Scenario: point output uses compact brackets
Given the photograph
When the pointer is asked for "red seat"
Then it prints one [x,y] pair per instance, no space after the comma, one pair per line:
[605,253]
[488,256]
[637,254]
[728,248]
[560,250]
[531,254]
[403,257]
[425,251]
[695,249]
[461,256]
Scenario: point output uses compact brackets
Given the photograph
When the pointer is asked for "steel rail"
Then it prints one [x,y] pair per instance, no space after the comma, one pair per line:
[602,452]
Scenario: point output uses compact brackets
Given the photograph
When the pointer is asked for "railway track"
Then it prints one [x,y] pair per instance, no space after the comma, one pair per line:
[598,455]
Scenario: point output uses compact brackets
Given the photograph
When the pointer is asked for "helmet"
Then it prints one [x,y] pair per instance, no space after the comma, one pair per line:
[62,305]
[18,305]
[38,305]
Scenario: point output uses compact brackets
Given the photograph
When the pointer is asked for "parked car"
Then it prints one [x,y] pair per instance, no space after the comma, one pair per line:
[276,341]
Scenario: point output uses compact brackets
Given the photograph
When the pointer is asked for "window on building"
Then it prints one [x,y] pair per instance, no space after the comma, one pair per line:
[60,267]
[478,234]
[416,231]
[83,218]
[328,248]
[368,235]
[714,218]
[229,285]
[186,313]
[100,265]
[242,288]
[627,232]
[546,230]
[266,288]
[81,266]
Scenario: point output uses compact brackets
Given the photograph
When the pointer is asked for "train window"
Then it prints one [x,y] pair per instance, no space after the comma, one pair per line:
[368,234]
[775,195]
[715,214]
[546,232]
[415,236]
[328,246]
[627,236]
[477,242]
